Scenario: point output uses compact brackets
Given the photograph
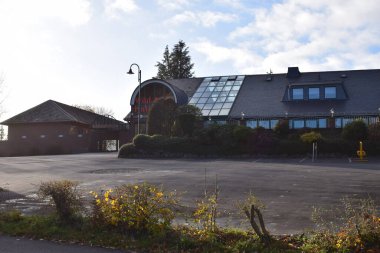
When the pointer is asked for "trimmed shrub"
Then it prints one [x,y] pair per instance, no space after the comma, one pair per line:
[311,137]
[127,150]
[177,145]
[64,196]
[355,131]
[142,141]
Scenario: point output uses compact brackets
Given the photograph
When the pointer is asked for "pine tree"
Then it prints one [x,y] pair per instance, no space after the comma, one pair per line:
[176,64]
[163,68]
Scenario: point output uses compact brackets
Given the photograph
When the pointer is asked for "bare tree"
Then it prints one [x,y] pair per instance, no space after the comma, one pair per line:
[96,109]
[2,96]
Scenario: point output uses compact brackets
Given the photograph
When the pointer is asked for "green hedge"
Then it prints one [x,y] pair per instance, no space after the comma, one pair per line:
[231,140]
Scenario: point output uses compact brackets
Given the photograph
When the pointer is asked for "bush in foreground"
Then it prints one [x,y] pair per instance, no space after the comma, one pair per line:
[65,197]
[138,208]
[138,217]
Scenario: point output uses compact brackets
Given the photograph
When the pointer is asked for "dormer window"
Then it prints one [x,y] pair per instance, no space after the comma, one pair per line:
[330,92]
[315,91]
[297,93]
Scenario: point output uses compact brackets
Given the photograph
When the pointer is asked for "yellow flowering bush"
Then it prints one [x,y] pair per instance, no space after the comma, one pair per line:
[206,213]
[135,207]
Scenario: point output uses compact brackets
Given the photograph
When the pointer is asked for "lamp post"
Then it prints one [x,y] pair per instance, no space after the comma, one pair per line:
[332,118]
[242,119]
[332,112]
[130,72]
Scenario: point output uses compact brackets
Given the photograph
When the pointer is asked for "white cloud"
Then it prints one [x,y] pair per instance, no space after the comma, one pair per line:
[231,3]
[115,8]
[316,35]
[206,18]
[173,4]
[241,58]
[72,12]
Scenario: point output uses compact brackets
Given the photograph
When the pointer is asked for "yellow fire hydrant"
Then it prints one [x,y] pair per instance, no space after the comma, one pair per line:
[361,153]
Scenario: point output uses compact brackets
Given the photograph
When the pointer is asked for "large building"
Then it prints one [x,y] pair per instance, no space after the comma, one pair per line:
[328,99]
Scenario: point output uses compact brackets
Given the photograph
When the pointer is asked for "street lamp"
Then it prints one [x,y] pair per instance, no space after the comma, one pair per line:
[242,115]
[332,125]
[130,72]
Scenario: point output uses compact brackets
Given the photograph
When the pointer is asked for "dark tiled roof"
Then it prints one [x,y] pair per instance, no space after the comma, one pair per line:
[54,112]
[261,98]
[188,85]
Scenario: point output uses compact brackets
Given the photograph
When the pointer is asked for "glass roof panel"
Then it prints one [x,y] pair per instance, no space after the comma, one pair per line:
[210,88]
[216,95]
[205,112]
[208,106]
[227,105]
[221,99]
[197,94]
[227,88]
[202,100]
[224,112]
[217,106]
[230,99]
[214,112]
[194,100]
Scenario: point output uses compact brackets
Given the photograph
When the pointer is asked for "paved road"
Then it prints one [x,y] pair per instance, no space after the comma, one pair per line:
[23,245]
[288,187]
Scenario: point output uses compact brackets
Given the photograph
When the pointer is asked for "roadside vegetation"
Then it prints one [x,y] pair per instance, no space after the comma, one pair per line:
[141,217]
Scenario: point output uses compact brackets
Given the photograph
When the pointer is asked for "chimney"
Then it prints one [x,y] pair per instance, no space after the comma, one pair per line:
[293,72]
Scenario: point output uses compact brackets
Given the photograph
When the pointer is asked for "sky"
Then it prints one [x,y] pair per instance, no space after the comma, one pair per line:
[78,51]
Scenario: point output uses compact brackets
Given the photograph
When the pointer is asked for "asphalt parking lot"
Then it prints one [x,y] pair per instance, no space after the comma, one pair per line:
[289,188]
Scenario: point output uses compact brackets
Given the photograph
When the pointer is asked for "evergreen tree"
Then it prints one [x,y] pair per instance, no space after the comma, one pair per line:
[164,67]
[176,64]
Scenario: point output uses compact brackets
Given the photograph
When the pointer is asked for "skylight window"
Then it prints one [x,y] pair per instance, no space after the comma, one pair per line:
[215,96]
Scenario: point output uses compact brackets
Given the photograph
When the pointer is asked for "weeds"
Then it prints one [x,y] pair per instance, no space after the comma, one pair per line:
[358,229]
[65,197]
[139,217]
